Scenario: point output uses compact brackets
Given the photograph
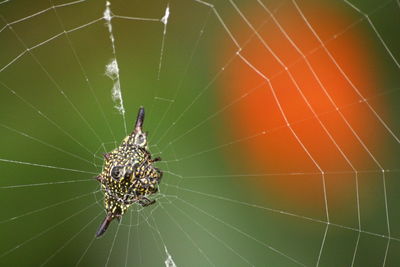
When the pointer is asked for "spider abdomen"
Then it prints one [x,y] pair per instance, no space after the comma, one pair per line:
[128,175]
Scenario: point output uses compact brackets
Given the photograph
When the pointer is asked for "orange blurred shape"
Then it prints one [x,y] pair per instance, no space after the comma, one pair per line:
[313,84]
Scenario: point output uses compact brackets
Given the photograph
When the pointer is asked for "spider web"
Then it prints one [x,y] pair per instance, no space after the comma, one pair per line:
[73,74]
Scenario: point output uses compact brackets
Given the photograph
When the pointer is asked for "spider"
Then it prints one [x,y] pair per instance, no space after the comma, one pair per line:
[128,175]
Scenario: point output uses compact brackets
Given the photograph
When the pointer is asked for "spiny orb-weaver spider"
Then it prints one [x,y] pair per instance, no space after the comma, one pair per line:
[128,175]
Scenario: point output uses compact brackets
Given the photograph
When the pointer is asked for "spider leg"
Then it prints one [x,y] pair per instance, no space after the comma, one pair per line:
[155,159]
[107,156]
[144,201]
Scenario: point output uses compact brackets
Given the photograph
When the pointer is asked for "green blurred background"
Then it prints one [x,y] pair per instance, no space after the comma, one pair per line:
[56,110]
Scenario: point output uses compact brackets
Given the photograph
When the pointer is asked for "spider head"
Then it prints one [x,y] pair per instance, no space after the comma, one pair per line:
[138,137]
